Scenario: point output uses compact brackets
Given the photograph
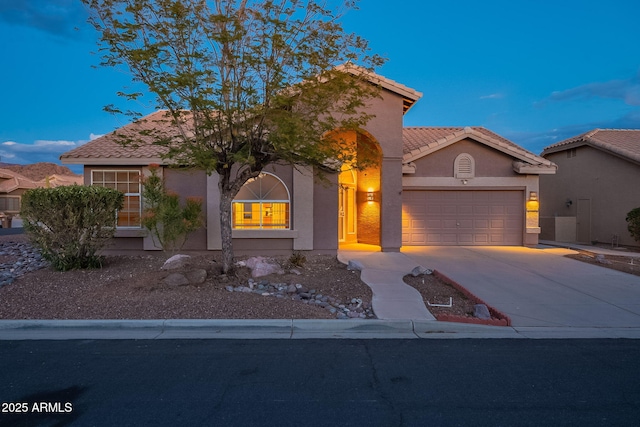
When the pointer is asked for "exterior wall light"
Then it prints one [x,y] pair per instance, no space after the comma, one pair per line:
[532,215]
[370,196]
[533,205]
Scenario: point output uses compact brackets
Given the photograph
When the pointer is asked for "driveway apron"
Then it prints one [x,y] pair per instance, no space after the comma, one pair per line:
[539,287]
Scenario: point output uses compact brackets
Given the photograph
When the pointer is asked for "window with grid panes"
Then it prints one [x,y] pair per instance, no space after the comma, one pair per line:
[127,182]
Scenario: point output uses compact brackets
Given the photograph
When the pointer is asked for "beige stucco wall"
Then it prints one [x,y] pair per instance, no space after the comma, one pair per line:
[386,129]
[325,214]
[609,182]
[190,183]
[488,162]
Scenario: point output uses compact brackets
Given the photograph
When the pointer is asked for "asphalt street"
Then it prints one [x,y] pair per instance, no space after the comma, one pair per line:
[320,382]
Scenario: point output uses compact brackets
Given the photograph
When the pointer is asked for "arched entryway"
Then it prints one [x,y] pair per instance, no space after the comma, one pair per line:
[359,190]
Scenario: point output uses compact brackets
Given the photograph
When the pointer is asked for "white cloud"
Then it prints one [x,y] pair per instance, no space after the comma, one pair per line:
[41,150]
[493,96]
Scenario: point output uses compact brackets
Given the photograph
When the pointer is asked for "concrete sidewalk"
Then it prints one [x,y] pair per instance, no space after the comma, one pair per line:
[383,273]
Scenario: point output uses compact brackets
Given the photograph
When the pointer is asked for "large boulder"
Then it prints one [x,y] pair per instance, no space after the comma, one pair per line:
[176,279]
[261,266]
[176,262]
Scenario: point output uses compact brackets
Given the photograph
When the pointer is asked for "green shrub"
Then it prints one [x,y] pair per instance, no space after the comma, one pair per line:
[633,223]
[71,224]
[168,222]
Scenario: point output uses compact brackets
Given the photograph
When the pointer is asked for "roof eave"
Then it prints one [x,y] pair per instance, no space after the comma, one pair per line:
[539,169]
[112,161]
[519,154]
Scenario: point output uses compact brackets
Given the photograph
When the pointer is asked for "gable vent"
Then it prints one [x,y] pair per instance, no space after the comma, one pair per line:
[464,166]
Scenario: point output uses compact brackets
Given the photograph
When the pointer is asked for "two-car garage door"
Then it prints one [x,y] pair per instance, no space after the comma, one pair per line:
[433,217]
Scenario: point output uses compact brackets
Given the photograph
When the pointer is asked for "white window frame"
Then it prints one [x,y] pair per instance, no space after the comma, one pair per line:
[127,194]
[261,202]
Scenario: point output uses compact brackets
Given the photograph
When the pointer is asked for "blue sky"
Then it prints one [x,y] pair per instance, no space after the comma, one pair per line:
[535,72]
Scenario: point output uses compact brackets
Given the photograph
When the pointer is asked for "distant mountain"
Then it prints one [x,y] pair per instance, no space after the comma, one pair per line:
[39,171]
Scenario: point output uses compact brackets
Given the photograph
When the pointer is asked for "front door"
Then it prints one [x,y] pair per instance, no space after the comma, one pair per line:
[347,232]
[346,214]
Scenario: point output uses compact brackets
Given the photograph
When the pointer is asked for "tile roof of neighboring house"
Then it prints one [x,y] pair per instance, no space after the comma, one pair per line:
[621,142]
[108,149]
[11,181]
[421,141]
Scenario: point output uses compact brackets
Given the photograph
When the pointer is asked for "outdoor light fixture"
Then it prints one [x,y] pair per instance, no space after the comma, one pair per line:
[569,203]
[369,196]
[533,204]
[532,212]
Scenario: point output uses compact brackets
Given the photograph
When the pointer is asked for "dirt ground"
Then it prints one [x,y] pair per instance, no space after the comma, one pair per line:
[622,262]
[131,287]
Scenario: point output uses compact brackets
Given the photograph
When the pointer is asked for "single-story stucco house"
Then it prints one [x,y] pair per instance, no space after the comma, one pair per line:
[597,184]
[432,186]
[13,185]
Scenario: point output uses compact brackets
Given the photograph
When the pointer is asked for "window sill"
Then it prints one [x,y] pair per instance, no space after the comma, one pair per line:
[264,234]
[130,232]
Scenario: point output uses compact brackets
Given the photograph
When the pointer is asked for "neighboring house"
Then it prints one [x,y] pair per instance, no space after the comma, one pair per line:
[13,185]
[432,186]
[597,184]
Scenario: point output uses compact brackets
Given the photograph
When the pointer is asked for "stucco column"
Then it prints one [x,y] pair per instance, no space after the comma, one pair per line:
[391,204]
[303,208]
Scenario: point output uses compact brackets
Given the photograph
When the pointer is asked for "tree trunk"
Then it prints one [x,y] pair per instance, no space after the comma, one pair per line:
[225,230]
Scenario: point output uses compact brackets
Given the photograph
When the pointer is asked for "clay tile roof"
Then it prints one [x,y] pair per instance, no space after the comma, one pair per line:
[108,149]
[420,141]
[621,142]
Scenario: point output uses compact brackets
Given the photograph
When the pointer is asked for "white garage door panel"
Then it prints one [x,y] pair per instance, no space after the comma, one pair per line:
[462,217]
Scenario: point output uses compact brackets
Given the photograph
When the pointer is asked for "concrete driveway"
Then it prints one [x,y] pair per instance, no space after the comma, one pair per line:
[539,287]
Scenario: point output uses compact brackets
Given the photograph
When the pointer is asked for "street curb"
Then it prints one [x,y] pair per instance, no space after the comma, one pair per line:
[287,329]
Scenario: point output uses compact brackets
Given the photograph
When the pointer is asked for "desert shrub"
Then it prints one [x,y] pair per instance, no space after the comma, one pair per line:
[633,223]
[168,221]
[70,225]
[297,259]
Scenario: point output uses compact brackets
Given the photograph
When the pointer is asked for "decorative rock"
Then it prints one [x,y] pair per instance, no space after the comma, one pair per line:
[176,279]
[481,311]
[420,270]
[295,271]
[229,288]
[291,289]
[197,276]
[354,265]
[28,259]
[600,258]
[261,266]
[175,262]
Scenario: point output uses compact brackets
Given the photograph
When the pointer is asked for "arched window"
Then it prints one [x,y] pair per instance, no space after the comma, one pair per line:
[464,166]
[261,203]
